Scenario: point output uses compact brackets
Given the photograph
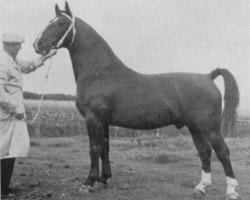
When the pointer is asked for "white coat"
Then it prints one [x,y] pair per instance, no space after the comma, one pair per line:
[14,138]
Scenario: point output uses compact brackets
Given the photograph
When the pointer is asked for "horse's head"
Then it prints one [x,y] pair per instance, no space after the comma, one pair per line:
[60,32]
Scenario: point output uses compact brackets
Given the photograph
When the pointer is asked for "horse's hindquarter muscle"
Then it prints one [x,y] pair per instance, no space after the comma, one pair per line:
[200,99]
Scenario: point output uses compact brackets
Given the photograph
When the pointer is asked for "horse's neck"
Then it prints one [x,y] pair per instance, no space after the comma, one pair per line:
[90,54]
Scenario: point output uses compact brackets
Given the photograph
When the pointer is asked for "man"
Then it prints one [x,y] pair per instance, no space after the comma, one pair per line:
[14,138]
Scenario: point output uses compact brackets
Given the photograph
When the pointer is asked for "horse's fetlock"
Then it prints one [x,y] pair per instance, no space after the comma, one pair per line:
[107,175]
[91,180]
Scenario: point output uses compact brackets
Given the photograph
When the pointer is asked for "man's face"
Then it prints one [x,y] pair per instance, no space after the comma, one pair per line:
[14,48]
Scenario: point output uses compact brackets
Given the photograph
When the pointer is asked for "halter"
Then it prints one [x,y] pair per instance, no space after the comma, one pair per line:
[71,27]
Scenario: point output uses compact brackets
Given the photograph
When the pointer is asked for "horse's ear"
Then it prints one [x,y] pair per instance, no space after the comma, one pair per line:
[67,10]
[58,12]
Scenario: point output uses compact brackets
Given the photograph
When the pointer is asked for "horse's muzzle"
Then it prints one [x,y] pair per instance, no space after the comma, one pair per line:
[43,50]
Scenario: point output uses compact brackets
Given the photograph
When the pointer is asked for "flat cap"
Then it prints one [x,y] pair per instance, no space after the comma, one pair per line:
[12,38]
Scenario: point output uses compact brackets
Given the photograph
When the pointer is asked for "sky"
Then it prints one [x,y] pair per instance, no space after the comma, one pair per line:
[149,36]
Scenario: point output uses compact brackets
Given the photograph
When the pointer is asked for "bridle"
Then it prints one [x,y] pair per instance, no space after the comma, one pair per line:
[70,28]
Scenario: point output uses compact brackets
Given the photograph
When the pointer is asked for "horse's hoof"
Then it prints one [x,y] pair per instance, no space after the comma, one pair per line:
[232,196]
[86,189]
[199,194]
[101,185]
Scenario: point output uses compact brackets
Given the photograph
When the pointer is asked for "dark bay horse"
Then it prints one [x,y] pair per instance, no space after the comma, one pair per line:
[109,93]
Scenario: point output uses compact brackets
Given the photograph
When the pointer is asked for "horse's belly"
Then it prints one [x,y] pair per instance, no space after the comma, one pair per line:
[142,117]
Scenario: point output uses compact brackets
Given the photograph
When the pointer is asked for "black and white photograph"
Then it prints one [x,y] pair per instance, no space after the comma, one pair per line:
[125,100]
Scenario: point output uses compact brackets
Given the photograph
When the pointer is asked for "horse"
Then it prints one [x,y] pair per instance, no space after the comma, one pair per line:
[111,94]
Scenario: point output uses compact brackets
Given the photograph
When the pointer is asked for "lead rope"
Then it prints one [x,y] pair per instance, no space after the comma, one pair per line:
[71,27]
[44,84]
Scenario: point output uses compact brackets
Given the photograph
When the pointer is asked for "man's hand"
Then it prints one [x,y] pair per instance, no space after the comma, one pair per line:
[40,61]
[19,112]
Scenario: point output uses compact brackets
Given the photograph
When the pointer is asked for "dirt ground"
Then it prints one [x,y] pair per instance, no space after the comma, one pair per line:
[161,168]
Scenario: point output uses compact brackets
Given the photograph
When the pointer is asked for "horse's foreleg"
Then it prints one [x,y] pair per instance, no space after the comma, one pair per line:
[204,151]
[95,132]
[106,169]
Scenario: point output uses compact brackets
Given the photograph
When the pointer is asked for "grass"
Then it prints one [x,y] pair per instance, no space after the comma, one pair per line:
[163,167]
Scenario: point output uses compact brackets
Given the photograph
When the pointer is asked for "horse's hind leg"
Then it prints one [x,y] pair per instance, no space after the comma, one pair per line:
[204,150]
[106,169]
[95,132]
[222,151]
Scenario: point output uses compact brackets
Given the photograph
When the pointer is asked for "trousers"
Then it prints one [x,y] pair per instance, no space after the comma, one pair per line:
[7,166]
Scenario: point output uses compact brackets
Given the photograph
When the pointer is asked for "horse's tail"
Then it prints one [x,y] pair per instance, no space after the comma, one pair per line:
[231,98]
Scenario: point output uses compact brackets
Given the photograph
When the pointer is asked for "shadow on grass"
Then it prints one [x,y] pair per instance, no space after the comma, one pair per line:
[34,144]
[164,158]
[59,145]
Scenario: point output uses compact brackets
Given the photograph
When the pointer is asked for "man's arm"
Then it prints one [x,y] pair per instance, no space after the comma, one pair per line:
[30,66]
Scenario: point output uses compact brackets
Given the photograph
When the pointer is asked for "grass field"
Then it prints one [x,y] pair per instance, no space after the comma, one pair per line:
[162,168]
[144,168]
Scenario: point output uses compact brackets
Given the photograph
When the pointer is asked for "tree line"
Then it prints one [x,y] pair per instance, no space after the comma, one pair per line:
[55,97]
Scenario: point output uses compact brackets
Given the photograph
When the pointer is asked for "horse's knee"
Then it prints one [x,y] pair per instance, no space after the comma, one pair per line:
[205,153]
[105,146]
[95,149]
